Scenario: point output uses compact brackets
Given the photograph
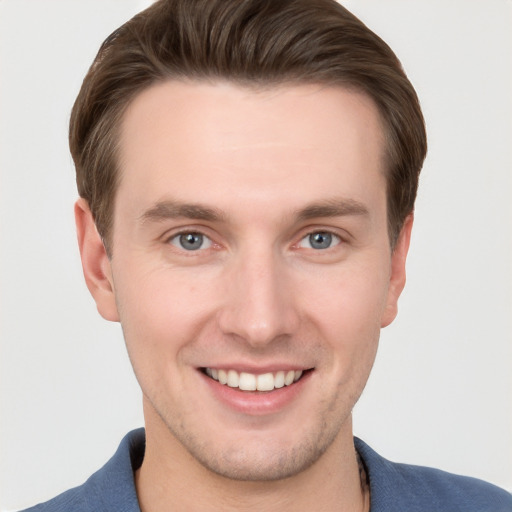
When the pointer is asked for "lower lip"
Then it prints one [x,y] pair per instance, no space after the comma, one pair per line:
[253,402]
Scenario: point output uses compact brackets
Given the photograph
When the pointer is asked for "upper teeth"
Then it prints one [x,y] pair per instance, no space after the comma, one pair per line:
[251,382]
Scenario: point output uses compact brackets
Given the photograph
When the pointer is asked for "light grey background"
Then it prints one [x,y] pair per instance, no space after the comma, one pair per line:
[441,389]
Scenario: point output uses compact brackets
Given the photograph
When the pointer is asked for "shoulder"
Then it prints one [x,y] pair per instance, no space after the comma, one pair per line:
[411,488]
[73,499]
[110,488]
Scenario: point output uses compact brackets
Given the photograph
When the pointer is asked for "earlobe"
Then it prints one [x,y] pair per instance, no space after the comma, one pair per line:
[397,272]
[95,262]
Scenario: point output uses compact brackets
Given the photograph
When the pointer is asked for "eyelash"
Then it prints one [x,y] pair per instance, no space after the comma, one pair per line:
[333,239]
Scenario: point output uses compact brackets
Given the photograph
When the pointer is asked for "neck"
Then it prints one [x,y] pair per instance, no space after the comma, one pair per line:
[171,477]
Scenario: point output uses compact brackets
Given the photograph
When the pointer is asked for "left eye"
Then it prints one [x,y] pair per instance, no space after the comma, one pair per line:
[320,240]
[191,241]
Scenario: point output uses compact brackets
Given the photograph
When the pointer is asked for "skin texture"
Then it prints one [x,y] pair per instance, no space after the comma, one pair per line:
[255,173]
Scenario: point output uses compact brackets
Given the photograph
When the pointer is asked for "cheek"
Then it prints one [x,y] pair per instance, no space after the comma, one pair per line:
[347,313]
[351,299]
[160,313]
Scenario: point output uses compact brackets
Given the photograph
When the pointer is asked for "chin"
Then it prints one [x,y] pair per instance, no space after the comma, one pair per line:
[261,456]
[263,463]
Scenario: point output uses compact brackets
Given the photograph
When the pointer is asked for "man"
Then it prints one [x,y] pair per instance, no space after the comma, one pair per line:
[247,173]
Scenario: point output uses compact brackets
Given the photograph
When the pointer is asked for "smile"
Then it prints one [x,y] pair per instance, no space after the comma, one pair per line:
[252,382]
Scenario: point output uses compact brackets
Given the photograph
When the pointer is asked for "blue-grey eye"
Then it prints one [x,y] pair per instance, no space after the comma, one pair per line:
[320,240]
[191,241]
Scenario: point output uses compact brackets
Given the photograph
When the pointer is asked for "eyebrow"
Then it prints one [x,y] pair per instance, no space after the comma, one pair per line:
[174,209]
[332,208]
[171,209]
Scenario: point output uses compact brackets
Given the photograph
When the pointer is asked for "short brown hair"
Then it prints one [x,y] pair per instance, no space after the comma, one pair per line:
[249,42]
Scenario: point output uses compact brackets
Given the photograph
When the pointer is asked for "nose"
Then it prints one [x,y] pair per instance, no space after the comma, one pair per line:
[258,306]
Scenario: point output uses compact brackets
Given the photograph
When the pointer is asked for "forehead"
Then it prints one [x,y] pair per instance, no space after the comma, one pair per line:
[183,138]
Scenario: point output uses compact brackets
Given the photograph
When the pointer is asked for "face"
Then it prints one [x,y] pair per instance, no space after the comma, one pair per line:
[251,268]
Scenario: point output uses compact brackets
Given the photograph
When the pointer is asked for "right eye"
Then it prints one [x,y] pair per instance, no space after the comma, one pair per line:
[191,241]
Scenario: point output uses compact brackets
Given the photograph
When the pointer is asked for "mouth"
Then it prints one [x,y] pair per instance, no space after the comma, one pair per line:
[245,381]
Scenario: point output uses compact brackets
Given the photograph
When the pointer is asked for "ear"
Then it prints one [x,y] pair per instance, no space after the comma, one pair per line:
[397,272]
[95,262]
